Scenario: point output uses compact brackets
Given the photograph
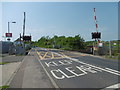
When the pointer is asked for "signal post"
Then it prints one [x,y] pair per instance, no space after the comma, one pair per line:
[96,35]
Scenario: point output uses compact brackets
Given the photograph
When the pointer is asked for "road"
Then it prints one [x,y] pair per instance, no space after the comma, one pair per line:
[67,69]
[75,70]
[12,58]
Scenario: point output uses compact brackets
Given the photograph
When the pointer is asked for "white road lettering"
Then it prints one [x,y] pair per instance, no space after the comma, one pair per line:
[89,69]
[72,71]
[63,74]
[66,74]
[68,61]
[50,64]
[52,71]
[55,63]
[65,62]
[81,69]
[84,68]
[58,63]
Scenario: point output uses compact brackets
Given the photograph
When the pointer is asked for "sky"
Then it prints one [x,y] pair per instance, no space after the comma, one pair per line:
[60,18]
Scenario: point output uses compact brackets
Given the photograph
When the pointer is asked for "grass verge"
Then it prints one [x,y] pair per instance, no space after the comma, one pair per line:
[2,63]
[4,87]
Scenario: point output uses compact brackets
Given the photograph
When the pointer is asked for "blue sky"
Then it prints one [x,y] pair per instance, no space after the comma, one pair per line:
[61,18]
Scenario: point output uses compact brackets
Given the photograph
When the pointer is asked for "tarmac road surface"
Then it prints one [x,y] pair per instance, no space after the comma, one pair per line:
[51,68]
[77,70]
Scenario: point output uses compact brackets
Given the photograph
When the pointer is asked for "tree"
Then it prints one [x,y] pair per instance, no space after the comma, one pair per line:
[68,43]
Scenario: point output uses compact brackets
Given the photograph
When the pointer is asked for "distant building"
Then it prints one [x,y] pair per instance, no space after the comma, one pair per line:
[4,46]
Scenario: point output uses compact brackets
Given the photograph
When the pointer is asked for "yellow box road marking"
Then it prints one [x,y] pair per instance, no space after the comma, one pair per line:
[49,55]
[74,56]
[45,55]
[52,58]
[58,58]
[63,55]
[39,55]
[82,55]
[52,55]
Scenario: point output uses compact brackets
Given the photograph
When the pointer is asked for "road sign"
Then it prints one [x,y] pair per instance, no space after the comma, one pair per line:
[115,44]
[100,44]
[8,35]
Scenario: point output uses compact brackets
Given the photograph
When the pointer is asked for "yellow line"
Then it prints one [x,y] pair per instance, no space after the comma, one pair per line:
[63,55]
[58,57]
[52,58]
[83,55]
[52,55]
[45,55]
[74,56]
[48,55]
[39,55]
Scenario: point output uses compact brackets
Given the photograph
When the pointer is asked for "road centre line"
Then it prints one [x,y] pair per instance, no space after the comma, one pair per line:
[113,70]
[93,66]
[76,60]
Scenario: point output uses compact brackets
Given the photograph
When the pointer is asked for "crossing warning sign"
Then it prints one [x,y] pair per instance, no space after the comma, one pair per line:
[8,34]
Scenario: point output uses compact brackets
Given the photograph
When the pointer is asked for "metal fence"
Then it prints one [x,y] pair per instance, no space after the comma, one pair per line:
[12,48]
[4,47]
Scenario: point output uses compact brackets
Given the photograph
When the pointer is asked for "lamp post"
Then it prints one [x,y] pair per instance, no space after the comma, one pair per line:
[9,28]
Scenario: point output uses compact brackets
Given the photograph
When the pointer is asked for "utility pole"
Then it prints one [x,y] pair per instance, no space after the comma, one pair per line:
[20,38]
[24,31]
[24,24]
[110,51]
[93,49]
[8,27]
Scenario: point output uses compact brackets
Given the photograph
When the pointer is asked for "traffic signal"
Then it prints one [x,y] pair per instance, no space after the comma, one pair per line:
[99,35]
[96,35]
[26,38]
